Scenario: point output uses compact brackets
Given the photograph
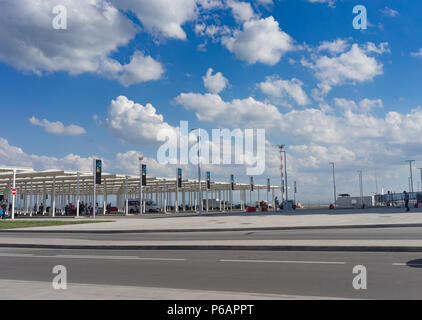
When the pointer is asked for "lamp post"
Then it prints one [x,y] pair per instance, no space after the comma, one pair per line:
[199,170]
[283,169]
[411,175]
[141,203]
[334,185]
[361,188]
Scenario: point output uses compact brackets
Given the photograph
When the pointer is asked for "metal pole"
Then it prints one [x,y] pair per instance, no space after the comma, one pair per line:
[411,175]
[13,196]
[376,182]
[78,194]
[285,176]
[95,188]
[141,204]
[126,196]
[334,185]
[421,176]
[176,206]
[361,188]
[199,171]
[282,173]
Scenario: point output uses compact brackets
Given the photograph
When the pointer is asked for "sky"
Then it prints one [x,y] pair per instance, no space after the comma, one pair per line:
[119,72]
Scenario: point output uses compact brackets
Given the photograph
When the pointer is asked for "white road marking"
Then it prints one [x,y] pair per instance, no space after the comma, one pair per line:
[280,261]
[407,264]
[22,255]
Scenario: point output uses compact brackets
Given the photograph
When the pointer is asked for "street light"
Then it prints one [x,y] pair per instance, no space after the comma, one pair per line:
[283,174]
[334,185]
[411,175]
[141,203]
[361,188]
[199,170]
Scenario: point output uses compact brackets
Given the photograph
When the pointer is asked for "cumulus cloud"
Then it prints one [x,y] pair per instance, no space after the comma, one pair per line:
[242,11]
[163,17]
[140,69]
[365,105]
[210,4]
[279,88]
[238,112]
[334,47]
[215,83]
[15,156]
[134,123]
[57,127]
[260,40]
[350,67]
[95,29]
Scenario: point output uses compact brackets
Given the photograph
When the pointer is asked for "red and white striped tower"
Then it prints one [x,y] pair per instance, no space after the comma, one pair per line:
[281,147]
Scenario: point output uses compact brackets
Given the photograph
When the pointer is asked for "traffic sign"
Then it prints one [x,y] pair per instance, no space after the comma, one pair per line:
[14,191]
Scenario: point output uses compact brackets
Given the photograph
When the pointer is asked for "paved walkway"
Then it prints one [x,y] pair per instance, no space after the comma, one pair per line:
[306,218]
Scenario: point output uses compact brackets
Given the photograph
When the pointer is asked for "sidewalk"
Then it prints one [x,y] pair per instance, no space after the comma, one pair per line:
[376,217]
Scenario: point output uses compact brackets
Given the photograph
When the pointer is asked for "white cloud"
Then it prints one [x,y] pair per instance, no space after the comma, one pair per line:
[213,31]
[389,12]
[242,11]
[214,83]
[57,127]
[134,123]
[95,29]
[334,47]
[417,54]
[382,48]
[140,69]
[330,3]
[350,67]
[210,4]
[280,88]
[238,112]
[265,2]
[365,105]
[260,41]
[163,17]
[14,156]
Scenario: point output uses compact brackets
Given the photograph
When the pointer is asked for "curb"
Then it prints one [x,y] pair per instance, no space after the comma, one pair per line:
[374,226]
[221,247]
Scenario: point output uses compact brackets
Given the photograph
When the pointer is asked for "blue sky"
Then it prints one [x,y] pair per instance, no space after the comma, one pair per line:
[368,118]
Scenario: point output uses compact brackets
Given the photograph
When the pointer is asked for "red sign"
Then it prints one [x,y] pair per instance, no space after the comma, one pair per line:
[14,191]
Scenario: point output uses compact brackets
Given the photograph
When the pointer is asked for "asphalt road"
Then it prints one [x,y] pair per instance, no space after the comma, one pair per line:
[324,274]
[413,233]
